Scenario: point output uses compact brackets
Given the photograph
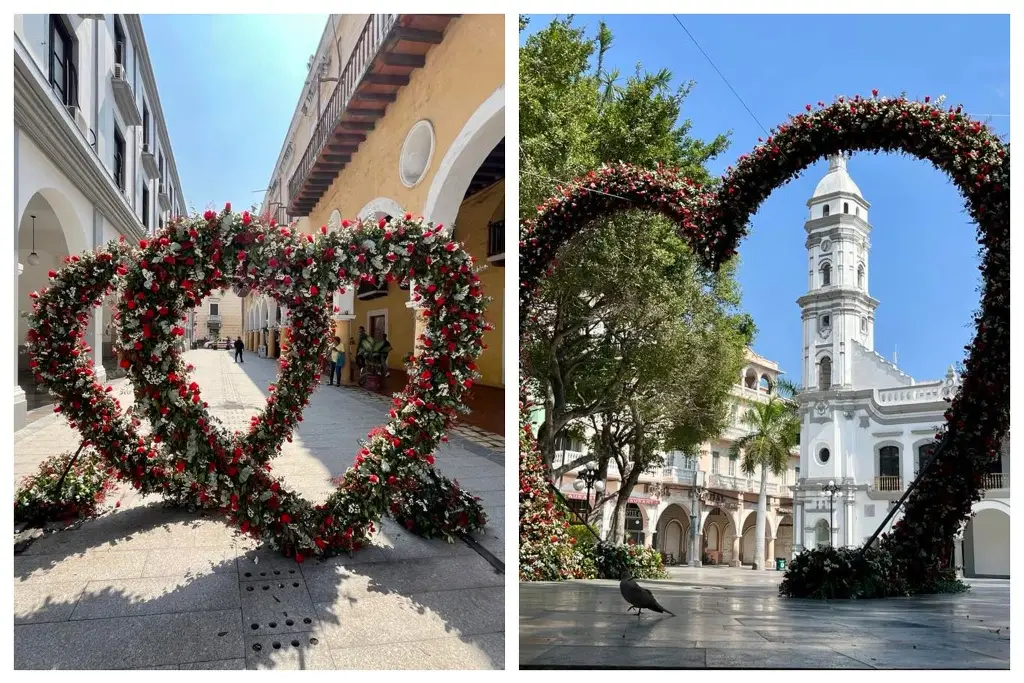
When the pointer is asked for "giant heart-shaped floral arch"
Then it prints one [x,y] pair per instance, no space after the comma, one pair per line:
[189,454]
[714,220]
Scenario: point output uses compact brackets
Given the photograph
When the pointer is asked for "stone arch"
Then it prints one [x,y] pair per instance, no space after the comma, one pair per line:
[749,378]
[379,208]
[986,544]
[747,543]
[58,233]
[484,129]
[723,554]
[673,529]
[784,536]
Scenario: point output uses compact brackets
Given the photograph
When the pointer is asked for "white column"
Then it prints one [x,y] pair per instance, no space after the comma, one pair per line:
[798,527]
[94,338]
[848,521]
[20,402]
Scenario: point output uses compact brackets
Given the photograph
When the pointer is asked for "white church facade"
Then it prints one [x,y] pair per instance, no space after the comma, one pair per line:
[868,427]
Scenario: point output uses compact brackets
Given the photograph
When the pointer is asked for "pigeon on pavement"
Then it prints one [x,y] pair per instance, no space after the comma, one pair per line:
[640,598]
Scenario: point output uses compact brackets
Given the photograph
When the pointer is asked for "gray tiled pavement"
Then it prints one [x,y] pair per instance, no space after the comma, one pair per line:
[144,586]
[733,618]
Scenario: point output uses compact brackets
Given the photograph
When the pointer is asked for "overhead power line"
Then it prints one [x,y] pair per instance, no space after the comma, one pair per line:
[721,75]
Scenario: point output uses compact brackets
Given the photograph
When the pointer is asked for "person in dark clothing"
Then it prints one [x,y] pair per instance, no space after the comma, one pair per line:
[360,357]
[239,347]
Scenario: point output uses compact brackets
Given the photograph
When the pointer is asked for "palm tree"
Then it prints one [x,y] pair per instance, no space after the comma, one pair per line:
[774,431]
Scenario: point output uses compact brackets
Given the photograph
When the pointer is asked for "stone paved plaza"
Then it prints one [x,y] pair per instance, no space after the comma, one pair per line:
[144,586]
[733,618]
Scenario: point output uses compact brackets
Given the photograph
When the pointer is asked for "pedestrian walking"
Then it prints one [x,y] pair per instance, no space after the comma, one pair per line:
[239,347]
[337,361]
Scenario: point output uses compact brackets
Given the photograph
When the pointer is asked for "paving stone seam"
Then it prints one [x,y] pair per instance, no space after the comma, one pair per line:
[132,616]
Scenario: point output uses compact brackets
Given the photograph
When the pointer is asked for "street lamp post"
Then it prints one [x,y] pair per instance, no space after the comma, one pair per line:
[831,488]
[697,492]
[588,477]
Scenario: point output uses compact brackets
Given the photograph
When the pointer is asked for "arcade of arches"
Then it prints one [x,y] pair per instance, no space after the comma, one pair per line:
[718,539]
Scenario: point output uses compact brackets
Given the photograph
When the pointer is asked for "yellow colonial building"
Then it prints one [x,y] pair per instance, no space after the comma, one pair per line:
[400,114]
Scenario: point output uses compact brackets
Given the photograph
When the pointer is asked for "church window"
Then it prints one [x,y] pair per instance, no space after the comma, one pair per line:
[826,275]
[826,321]
[825,374]
[821,533]
[889,461]
[856,211]
[846,207]
[824,211]
[860,276]
[924,454]
[863,325]
[823,456]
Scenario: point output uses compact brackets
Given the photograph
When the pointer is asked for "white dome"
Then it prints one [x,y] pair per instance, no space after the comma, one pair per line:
[836,180]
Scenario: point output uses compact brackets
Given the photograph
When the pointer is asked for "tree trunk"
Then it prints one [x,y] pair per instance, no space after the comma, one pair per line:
[762,511]
[546,433]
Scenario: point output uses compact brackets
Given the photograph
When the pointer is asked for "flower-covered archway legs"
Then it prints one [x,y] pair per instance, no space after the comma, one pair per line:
[188,453]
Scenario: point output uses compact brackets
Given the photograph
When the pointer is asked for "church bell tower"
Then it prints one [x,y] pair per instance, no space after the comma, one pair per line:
[837,310]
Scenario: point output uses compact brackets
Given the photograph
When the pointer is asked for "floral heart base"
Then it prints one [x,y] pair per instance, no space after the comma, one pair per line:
[188,453]
[714,219]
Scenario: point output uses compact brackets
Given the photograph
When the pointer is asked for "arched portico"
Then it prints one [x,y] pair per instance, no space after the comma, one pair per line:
[674,533]
[719,535]
[747,545]
[58,233]
[478,137]
[986,542]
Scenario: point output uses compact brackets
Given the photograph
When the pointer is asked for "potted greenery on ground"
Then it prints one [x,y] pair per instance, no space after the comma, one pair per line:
[373,354]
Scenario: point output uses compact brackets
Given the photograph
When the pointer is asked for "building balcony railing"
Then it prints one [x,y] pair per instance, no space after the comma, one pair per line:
[888,483]
[992,482]
[496,243]
[213,319]
[389,48]
[164,196]
[124,98]
[149,164]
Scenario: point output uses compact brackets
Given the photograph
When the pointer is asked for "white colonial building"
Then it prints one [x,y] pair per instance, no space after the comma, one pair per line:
[868,427]
[707,492]
[92,157]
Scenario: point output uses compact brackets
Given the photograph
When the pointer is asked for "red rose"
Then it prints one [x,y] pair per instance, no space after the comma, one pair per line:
[180,465]
[299,558]
[285,518]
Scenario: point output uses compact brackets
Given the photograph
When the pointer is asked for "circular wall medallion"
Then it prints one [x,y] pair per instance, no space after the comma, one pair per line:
[820,407]
[823,455]
[826,245]
[417,151]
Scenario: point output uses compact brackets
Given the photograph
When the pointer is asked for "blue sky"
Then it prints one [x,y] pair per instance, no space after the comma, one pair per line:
[228,87]
[924,257]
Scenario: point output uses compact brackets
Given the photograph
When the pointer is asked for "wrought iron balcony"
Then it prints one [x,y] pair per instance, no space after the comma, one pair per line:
[389,49]
[124,98]
[999,481]
[889,484]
